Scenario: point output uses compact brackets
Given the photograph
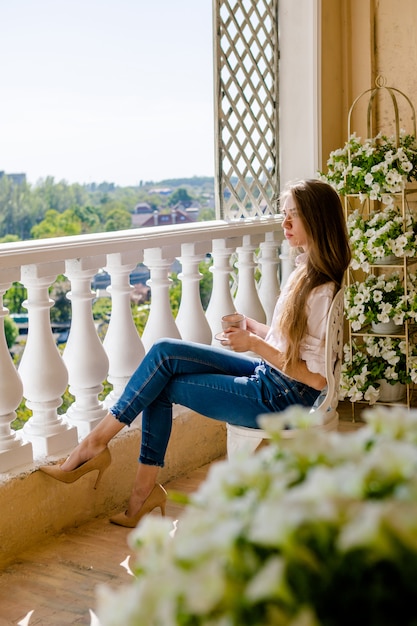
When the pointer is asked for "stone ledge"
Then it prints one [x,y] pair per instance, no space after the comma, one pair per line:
[35,507]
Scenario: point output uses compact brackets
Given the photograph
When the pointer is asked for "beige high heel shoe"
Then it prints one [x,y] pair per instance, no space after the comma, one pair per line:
[157,498]
[99,462]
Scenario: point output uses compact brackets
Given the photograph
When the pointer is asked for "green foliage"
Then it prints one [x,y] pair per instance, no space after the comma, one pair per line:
[206,215]
[140,317]
[88,208]
[61,311]
[9,239]
[11,331]
[57,225]
[102,309]
[117,219]
[180,195]
[206,282]
[14,298]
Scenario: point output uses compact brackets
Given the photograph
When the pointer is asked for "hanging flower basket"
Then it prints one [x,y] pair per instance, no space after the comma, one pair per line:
[377,299]
[391,393]
[381,164]
[382,238]
[373,360]
[373,168]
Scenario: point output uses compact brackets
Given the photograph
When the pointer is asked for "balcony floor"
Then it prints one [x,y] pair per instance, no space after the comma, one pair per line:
[55,584]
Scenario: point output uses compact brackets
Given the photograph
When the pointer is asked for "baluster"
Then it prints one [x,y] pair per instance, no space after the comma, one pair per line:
[122,342]
[268,261]
[42,368]
[13,451]
[160,322]
[287,262]
[84,355]
[221,301]
[247,299]
[191,321]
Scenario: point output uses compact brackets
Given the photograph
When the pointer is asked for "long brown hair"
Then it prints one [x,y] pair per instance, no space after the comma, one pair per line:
[321,212]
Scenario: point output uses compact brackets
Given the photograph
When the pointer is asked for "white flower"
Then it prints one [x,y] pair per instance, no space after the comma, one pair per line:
[267,539]
[266,582]
[363,529]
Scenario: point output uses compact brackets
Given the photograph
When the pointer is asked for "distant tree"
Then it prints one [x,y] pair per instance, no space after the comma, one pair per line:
[206,282]
[206,215]
[18,209]
[9,239]
[15,297]
[180,195]
[89,217]
[57,225]
[24,206]
[61,311]
[11,331]
[118,220]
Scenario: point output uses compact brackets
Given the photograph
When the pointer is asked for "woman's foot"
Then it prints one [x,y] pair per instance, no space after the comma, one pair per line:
[82,453]
[95,442]
[156,498]
[98,462]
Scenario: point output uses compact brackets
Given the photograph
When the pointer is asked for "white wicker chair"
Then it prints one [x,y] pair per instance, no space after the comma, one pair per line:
[250,438]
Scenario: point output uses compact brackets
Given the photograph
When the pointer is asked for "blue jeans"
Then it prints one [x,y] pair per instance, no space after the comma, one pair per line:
[215,382]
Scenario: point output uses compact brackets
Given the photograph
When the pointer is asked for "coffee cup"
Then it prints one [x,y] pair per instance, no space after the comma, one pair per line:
[237,320]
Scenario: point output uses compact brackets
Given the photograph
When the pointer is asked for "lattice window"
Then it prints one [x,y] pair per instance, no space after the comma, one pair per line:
[246,82]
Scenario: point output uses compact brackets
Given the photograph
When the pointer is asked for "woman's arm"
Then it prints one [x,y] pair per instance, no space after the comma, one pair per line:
[244,340]
[257,328]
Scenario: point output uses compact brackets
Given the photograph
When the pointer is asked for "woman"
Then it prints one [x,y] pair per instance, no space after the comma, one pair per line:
[225,385]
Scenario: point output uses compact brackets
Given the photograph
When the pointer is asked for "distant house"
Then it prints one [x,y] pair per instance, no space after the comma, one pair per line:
[141,214]
[17,179]
[144,216]
[161,191]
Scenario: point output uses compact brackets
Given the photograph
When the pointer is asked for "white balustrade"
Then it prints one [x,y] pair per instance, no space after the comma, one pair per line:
[268,261]
[42,368]
[84,355]
[13,451]
[43,375]
[191,320]
[287,262]
[247,299]
[221,301]
[160,322]
[122,342]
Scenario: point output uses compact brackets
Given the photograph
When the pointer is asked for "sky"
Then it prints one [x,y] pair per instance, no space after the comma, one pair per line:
[106,90]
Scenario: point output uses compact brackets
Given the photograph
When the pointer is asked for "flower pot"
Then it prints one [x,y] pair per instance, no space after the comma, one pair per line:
[390,259]
[386,328]
[391,393]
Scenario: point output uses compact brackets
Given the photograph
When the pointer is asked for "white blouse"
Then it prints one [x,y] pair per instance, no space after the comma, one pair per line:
[312,348]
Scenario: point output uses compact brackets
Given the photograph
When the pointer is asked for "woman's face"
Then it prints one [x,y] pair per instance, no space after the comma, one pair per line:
[293,226]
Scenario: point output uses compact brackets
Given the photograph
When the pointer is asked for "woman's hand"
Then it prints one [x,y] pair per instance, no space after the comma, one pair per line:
[237,339]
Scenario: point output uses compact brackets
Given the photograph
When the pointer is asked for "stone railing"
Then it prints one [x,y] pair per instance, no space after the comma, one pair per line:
[43,374]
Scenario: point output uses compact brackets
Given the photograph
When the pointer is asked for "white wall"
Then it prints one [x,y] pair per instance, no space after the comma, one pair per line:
[299,84]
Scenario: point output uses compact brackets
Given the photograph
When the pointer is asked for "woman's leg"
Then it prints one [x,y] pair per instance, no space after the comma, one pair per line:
[229,398]
[170,358]
[145,480]
[163,361]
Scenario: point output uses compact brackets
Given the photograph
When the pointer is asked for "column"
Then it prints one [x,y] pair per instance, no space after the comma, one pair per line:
[247,299]
[42,368]
[84,355]
[221,301]
[13,451]
[122,343]
[160,322]
[191,321]
[268,261]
